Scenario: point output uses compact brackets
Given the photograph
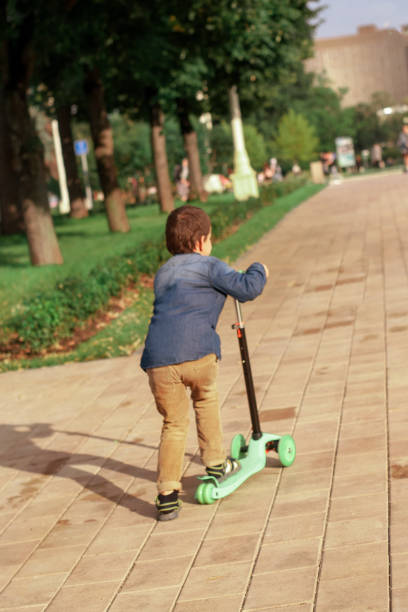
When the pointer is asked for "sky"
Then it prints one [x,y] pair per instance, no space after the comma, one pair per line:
[342,17]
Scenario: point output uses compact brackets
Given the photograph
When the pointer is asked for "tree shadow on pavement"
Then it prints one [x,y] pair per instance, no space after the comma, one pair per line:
[20,452]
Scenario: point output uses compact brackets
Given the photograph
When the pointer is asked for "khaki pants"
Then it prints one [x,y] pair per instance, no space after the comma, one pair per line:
[168,385]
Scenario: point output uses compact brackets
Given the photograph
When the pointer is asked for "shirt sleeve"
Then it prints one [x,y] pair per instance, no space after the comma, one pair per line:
[242,286]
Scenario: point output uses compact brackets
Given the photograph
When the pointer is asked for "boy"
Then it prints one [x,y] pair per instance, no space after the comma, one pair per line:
[182,348]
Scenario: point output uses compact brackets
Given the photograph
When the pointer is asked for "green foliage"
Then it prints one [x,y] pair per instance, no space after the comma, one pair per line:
[296,140]
[234,212]
[321,106]
[268,193]
[133,152]
[371,129]
[255,146]
[222,147]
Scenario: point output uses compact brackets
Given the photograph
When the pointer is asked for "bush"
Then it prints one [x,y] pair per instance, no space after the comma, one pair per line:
[223,217]
[47,317]
[269,193]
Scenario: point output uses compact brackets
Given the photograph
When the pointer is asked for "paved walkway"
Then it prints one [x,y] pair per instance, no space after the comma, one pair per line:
[329,344]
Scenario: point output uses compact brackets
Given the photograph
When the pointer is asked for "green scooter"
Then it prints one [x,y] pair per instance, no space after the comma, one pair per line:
[251,454]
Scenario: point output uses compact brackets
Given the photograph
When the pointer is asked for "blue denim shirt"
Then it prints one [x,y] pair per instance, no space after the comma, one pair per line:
[190,291]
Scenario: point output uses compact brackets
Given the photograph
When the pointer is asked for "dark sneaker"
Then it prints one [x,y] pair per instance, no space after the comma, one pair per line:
[224,470]
[168,506]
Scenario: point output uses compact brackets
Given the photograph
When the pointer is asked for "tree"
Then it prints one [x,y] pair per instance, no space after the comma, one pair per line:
[322,108]
[11,218]
[141,56]
[160,159]
[245,45]
[26,150]
[102,137]
[222,149]
[296,140]
[74,63]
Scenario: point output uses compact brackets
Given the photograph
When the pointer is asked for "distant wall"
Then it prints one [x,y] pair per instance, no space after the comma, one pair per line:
[370,61]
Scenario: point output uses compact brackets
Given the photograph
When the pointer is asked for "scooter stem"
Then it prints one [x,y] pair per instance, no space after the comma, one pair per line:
[246,366]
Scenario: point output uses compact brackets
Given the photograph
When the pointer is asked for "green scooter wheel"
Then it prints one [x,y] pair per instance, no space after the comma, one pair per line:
[238,443]
[286,450]
[203,493]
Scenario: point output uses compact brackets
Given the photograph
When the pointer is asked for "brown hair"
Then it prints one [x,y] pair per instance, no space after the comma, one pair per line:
[184,227]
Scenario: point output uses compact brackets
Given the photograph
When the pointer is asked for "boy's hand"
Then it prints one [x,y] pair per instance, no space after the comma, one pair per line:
[266,270]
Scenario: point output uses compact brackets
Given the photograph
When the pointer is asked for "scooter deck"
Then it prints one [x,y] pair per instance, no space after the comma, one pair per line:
[252,461]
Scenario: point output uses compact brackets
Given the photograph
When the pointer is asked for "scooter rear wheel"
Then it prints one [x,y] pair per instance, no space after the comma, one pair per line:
[203,493]
[238,446]
[286,450]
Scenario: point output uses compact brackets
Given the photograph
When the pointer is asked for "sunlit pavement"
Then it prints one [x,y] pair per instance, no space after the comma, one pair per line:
[329,349]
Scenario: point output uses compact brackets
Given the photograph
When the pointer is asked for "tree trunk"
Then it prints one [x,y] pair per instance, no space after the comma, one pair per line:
[75,188]
[166,200]
[244,182]
[197,191]
[102,137]
[28,155]
[11,218]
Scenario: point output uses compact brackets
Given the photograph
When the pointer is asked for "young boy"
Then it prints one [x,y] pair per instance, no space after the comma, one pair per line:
[182,348]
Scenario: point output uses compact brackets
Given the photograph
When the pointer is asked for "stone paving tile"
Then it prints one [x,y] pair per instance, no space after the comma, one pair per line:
[103,567]
[227,550]
[36,590]
[158,546]
[359,484]
[215,580]
[148,601]
[118,539]
[362,506]
[49,561]
[373,529]
[311,503]
[294,528]
[362,592]
[92,598]
[399,565]
[237,523]
[217,604]
[305,607]
[288,554]
[146,575]
[400,600]
[356,559]
[281,588]
[23,609]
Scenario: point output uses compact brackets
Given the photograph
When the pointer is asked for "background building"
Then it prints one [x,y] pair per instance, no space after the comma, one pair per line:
[370,61]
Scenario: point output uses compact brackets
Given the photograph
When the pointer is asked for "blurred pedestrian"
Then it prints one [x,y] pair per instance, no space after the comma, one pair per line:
[402,143]
[182,183]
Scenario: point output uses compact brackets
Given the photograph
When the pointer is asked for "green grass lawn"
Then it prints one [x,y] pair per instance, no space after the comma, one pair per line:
[85,242]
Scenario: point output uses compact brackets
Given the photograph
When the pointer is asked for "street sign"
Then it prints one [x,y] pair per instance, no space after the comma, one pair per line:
[81,147]
[345,152]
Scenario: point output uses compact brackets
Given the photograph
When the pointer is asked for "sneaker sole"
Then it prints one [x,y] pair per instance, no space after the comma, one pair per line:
[168,516]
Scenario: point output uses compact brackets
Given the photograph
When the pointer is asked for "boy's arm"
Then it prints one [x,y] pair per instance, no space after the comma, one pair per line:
[242,286]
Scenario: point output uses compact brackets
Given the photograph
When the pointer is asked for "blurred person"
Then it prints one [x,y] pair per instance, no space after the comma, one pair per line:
[402,143]
[182,182]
